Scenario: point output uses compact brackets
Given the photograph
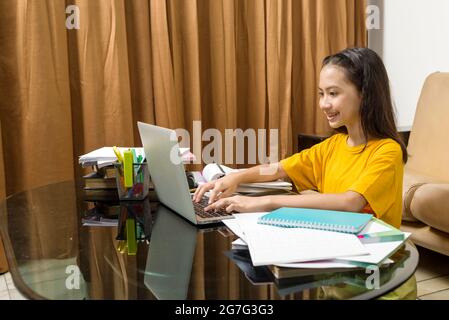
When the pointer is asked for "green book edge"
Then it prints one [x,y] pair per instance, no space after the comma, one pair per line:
[385,236]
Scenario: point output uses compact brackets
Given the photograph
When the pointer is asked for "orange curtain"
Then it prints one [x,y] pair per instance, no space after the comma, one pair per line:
[228,63]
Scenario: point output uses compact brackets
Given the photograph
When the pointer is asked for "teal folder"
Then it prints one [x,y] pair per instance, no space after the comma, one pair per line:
[338,221]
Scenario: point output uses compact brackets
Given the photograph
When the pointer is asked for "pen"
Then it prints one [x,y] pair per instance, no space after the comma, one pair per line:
[128,168]
[139,170]
[118,154]
[221,169]
[134,155]
[121,246]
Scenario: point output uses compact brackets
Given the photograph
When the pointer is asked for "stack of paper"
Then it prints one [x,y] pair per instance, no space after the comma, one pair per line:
[306,248]
[105,156]
[274,245]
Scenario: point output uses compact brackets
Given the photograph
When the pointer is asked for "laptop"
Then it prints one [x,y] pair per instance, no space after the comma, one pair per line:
[169,177]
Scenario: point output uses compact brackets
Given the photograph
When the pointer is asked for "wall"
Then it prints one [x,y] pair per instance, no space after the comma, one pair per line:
[413,42]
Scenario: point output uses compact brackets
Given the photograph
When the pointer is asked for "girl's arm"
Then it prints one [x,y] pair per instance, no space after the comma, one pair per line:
[227,185]
[349,201]
[262,173]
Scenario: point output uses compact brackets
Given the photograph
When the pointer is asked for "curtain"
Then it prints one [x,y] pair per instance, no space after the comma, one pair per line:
[227,63]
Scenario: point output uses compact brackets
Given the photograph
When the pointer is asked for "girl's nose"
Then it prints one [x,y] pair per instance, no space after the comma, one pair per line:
[324,105]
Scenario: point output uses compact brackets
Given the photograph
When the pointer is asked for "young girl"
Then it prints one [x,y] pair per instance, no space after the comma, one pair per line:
[358,170]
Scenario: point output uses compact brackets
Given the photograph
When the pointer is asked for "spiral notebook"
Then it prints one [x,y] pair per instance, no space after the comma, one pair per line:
[338,221]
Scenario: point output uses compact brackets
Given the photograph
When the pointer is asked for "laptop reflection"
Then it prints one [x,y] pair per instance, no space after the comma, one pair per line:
[170,256]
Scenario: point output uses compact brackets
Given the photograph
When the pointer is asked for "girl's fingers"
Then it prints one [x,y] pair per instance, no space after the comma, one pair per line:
[217,205]
[214,193]
[202,189]
[231,207]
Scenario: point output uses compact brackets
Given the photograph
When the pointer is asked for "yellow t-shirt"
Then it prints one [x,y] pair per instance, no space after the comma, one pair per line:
[334,167]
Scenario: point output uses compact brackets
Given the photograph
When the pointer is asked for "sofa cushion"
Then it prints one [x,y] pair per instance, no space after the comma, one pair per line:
[430,204]
[412,181]
[427,237]
[427,149]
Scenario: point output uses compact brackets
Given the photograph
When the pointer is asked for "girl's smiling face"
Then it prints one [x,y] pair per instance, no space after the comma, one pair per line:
[339,98]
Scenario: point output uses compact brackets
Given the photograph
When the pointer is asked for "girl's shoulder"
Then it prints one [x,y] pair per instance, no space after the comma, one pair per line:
[385,143]
[336,138]
[386,146]
[329,143]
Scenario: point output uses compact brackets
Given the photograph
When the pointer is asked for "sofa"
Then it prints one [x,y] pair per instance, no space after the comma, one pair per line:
[426,174]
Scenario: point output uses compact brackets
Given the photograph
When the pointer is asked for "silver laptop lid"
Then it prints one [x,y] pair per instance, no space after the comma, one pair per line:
[166,169]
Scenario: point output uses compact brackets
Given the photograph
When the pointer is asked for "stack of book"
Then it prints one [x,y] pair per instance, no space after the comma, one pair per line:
[101,185]
[101,214]
[295,241]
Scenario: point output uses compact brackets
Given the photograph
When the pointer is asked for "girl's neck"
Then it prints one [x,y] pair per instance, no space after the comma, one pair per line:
[356,136]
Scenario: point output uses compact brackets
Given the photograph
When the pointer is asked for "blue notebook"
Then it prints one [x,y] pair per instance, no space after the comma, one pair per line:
[339,221]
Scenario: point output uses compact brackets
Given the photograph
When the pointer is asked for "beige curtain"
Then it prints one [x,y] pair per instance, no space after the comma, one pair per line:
[228,63]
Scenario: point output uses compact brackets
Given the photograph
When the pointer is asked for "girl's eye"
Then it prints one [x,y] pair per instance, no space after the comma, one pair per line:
[321,94]
[333,94]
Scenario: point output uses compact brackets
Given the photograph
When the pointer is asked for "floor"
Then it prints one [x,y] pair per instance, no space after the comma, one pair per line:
[7,289]
[432,277]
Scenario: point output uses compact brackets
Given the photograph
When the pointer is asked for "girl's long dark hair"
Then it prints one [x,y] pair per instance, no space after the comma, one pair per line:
[365,69]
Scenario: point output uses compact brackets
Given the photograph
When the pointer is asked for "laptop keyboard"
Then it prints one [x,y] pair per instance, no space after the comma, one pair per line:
[199,210]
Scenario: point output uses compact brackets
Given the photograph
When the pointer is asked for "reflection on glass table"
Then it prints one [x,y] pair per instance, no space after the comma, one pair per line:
[52,255]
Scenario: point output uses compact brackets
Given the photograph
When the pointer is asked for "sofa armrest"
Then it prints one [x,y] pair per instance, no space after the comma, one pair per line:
[430,205]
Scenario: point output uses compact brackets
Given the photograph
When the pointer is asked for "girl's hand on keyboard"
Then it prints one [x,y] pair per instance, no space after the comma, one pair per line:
[241,204]
[219,189]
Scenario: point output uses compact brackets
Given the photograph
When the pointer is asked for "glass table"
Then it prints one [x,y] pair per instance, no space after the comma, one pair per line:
[143,250]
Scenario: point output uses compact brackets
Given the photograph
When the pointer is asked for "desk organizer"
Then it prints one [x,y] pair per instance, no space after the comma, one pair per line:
[136,184]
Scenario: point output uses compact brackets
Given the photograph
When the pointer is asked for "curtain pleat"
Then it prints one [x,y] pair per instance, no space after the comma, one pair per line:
[35,108]
[139,63]
[99,78]
[279,70]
